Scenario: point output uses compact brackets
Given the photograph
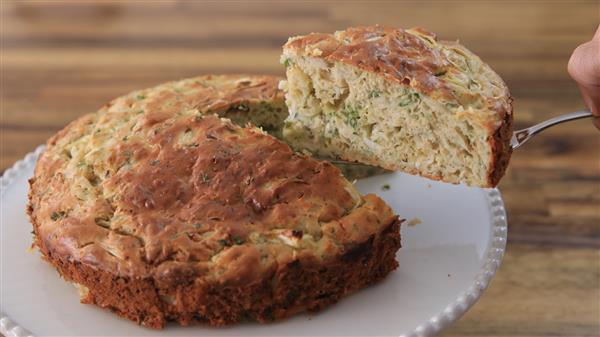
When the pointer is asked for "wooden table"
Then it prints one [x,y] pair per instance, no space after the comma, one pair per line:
[61,60]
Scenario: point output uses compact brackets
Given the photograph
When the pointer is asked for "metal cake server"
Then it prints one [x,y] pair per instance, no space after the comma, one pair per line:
[520,137]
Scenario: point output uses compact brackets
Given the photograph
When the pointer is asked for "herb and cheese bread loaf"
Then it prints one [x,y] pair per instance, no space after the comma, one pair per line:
[161,211]
[398,99]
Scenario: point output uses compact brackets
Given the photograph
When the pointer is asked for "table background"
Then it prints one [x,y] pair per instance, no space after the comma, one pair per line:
[61,59]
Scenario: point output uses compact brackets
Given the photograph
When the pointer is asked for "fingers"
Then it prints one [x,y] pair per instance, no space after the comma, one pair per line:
[584,68]
[591,98]
[584,64]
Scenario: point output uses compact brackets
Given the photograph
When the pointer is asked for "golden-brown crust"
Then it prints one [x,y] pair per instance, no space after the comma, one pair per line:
[151,194]
[392,53]
[297,286]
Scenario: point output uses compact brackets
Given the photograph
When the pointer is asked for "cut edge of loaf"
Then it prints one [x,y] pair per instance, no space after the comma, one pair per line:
[270,116]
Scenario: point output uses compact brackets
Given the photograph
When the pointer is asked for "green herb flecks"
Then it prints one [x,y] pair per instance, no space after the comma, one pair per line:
[140,97]
[57,215]
[386,187]
[286,62]
[205,178]
[238,240]
[410,99]
[374,93]
[352,116]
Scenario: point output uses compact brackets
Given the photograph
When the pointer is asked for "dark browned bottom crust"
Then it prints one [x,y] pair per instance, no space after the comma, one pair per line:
[501,150]
[298,286]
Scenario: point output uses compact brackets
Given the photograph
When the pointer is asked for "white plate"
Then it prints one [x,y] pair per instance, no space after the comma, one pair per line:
[446,262]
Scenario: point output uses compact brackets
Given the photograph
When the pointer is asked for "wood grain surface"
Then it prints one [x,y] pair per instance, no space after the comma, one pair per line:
[63,59]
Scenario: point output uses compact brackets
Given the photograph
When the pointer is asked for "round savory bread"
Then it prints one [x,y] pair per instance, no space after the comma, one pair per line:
[160,210]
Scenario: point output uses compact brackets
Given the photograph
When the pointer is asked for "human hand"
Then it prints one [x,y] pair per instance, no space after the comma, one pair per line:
[584,68]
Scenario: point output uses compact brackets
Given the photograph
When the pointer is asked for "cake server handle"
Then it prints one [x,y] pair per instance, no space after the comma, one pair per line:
[519,137]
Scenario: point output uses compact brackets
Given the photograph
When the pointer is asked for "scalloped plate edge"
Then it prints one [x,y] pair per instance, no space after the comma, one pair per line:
[433,326]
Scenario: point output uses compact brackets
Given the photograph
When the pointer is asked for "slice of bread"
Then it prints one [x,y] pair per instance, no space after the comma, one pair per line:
[398,99]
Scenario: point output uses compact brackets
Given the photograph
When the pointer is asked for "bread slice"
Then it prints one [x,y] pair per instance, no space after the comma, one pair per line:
[398,99]
[161,211]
